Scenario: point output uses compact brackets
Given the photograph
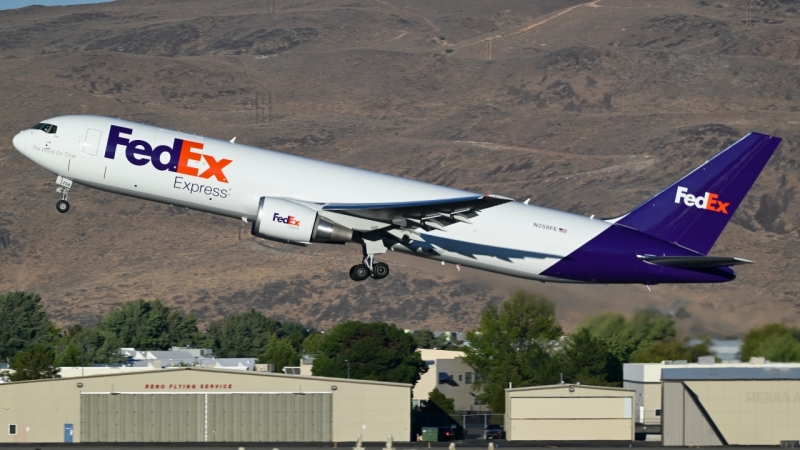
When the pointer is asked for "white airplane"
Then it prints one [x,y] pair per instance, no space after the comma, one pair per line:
[297,200]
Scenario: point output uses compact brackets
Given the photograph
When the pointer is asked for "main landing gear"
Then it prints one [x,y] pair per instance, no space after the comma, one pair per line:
[369,268]
[63,205]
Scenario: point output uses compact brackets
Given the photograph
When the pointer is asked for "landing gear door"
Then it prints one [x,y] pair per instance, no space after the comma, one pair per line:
[91,142]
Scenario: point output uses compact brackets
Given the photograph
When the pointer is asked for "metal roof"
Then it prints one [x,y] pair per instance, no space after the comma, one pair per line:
[731,373]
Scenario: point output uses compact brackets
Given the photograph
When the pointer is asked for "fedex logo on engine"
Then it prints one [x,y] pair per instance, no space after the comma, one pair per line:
[288,220]
[177,158]
[709,201]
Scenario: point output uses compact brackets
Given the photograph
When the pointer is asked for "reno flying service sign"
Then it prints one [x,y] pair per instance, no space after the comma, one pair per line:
[187,387]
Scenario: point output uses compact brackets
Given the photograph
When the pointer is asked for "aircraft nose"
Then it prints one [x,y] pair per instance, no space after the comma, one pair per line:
[20,141]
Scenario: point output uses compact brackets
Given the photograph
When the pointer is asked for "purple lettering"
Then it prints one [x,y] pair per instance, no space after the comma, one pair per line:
[114,139]
[140,148]
[174,153]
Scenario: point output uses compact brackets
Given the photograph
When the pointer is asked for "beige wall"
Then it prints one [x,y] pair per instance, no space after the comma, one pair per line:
[752,412]
[458,389]
[648,398]
[41,408]
[554,413]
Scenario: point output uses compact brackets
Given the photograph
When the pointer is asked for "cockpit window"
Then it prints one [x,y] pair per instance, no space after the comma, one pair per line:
[46,127]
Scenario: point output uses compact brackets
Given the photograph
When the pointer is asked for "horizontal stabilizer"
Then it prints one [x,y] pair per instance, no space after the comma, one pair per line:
[694,262]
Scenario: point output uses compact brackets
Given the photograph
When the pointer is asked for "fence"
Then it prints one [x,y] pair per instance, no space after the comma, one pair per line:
[465,426]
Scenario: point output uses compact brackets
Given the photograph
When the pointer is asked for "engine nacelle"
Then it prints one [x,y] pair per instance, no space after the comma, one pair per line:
[287,221]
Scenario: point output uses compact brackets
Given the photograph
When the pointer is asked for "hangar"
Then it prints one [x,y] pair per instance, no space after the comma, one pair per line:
[567,412]
[731,405]
[203,405]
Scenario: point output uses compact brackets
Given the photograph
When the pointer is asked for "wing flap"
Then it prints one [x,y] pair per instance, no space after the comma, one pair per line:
[421,210]
[694,262]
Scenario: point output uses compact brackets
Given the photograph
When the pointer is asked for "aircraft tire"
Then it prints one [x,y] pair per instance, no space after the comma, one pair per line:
[62,206]
[359,272]
[380,270]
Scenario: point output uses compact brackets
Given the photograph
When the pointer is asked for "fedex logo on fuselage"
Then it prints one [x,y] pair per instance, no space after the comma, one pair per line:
[179,156]
[709,201]
[288,220]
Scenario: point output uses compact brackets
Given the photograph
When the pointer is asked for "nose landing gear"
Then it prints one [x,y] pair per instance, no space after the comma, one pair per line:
[369,268]
[63,205]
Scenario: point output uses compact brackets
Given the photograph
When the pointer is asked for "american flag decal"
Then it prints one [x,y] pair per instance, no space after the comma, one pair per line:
[562,230]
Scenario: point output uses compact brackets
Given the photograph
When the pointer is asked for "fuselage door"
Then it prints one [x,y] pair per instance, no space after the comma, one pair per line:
[91,142]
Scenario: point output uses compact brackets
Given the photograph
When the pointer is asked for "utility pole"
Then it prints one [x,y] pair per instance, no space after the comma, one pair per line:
[348,368]
[270,107]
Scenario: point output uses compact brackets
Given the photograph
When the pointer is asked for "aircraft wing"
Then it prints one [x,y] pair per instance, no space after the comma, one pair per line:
[434,214]
[694,262]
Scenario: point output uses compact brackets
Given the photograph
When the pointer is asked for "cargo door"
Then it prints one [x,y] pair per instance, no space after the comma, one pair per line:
[91,142]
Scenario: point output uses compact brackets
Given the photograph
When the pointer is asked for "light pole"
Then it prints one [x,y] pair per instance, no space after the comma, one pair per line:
[348,368]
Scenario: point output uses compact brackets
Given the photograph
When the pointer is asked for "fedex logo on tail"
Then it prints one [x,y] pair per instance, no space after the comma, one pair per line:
[709,201]
[179,157]
[288,220]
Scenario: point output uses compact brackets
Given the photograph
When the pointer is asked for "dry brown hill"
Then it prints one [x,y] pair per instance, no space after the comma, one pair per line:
[588,107]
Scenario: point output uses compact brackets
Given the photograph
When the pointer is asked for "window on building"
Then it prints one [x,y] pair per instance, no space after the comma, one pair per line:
[658,412]
[468,378]
[430,362]
[459,378]
[12,429]
[477,402]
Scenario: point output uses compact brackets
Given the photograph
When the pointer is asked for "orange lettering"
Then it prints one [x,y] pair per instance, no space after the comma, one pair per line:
[187,155]
[712,199]
[214,168]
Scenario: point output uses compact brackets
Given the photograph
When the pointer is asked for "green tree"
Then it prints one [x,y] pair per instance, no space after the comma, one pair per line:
[280,352]
[84,346]
[375,351]
[775,342]
[34,363]
[23,322]
[295,333]
[586,359]
[438,403]
[243,335]
[625,337]
[312,342]
[427,339]
[149,325]
[508,340]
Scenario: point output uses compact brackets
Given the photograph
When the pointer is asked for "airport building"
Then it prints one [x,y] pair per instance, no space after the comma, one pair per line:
[708,403]
[203,405]
[452,376]
[756,405]
[568,412]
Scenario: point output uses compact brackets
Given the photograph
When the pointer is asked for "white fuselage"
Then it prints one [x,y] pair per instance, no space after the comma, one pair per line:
[228,179]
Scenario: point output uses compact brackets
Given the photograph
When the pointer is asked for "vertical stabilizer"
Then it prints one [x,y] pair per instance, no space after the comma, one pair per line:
[695,209]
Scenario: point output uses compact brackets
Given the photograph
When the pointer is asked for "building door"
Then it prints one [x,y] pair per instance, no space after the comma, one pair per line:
[68,433]
[91,142]
[207,417]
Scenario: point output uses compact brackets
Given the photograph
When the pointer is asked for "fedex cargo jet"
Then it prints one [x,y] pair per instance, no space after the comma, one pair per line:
[297,200]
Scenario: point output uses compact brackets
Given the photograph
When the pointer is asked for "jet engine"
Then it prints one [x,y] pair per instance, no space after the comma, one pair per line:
[287,221]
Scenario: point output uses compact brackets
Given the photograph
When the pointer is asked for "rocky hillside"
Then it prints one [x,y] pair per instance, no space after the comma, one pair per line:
[588,107]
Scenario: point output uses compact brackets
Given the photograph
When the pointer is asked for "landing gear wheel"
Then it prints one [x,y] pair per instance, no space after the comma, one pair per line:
[359,272]
[380,270]
[62,206]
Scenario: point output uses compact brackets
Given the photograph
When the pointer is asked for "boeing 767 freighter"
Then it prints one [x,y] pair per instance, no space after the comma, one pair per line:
[297,200]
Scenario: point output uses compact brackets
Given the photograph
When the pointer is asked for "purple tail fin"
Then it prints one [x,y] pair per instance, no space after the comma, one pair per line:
[695,209]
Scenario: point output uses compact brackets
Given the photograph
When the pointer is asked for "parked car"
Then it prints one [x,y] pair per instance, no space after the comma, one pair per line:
[494,432]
